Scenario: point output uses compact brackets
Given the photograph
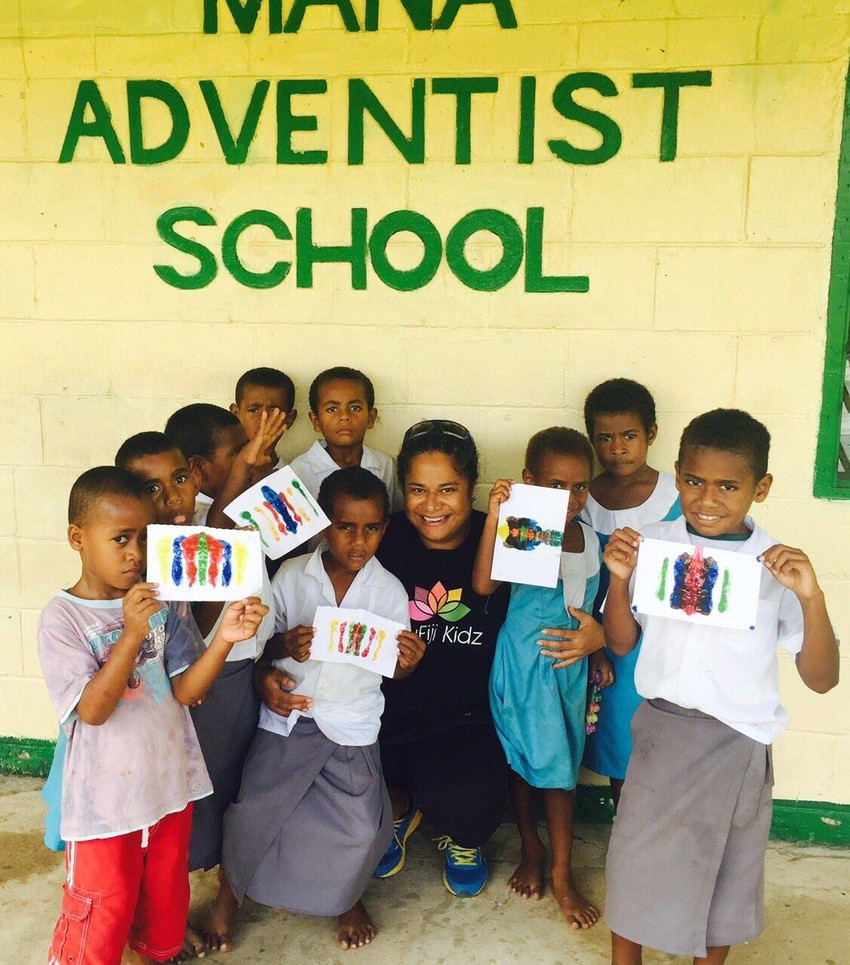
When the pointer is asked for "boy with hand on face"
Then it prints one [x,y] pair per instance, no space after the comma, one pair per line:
[121,668]
[264,390]
[686,859]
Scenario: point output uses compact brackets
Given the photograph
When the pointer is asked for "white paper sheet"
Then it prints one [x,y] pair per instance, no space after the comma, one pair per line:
[282,510]
[356,637]
[683,582]
[203,563]
[530,534]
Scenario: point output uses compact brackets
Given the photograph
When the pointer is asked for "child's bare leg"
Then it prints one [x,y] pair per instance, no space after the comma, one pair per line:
[624,952]
[400,801]
[560,815]
[616,791]
[715,956]
[217,930]
[355,928]
[527,880]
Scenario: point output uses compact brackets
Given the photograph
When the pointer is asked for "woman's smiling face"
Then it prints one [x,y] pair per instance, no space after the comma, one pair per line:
[437,501]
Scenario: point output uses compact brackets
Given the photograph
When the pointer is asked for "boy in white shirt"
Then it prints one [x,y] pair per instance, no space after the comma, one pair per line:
[313,815]
[686,858]
[342,409]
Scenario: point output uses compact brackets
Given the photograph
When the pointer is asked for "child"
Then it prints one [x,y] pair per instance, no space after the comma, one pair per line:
[313,816]
[620,418]
[118,665]
[212,441]
[686,859]
[342,408]
[539,706]
[264,390]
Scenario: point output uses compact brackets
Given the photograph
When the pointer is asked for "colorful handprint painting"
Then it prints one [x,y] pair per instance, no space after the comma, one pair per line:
[203,563]
[530,534]
[281,510]
[685,582]
[345,635]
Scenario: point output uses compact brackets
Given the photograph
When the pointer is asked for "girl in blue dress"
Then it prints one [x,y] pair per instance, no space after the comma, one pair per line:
[538,683]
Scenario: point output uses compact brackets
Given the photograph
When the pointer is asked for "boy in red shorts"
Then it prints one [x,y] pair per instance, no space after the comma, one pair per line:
[122,668]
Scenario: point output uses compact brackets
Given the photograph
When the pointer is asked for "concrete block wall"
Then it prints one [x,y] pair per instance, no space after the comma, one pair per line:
[708,274]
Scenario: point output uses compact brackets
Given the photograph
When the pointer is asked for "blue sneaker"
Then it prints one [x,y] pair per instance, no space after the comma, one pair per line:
[393,859]
[465,873]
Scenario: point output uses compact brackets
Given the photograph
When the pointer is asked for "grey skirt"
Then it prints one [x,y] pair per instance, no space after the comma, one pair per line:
[686,860]
[225,724]
[311,822]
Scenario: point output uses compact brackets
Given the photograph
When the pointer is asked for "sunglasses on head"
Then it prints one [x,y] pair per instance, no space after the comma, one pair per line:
[438,427]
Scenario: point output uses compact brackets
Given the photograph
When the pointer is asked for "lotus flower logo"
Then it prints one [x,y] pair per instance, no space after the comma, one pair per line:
[437,602]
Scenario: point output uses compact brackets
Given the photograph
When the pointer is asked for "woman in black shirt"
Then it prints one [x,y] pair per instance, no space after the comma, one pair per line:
[439,749]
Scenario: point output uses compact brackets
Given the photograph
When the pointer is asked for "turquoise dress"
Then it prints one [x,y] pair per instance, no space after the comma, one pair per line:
[539,712]
[609,748]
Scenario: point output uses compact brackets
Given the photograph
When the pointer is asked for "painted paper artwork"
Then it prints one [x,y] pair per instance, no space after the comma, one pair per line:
[356,637]
[202,563]
[282,510]
[683,582]
[530,534]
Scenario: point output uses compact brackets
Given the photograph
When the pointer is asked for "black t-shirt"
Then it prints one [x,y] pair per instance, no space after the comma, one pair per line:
[458,626]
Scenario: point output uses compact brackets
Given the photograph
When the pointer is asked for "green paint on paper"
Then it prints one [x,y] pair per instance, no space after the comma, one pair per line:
[661,592]
[723,605]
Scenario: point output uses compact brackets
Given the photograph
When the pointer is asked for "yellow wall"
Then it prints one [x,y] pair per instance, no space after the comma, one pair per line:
[708,274]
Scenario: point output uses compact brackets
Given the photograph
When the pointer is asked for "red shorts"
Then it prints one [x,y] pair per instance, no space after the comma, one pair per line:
[133,887]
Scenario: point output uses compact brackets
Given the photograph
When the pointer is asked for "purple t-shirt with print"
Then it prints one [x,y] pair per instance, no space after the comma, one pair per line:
[144,762]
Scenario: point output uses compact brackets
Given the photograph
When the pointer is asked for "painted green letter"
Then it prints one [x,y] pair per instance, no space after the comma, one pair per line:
[508,232]
[503,8]
[562,99]
[671,82]
[287,122]
[244,15]
[88,95]
[235,151]
[405,280]
[535,280]
[230,254]
[207,266]
[163,92]
[299,8]
[463,88]
[309,254]
[419,13]
[361,99]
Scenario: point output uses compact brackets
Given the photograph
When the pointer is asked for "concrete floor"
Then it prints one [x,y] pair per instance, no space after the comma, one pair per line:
[808,907]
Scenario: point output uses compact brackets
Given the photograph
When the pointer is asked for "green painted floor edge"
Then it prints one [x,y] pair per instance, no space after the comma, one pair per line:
[816,822]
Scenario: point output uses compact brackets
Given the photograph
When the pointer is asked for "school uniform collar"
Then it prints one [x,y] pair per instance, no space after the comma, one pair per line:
[318,457]
[757,542]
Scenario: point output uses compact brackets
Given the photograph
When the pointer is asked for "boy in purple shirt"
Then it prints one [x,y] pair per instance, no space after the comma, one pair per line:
[121,668]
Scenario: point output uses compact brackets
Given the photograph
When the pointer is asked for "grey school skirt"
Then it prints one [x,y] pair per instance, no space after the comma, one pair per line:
[686,859]
[225,724]
[312,820]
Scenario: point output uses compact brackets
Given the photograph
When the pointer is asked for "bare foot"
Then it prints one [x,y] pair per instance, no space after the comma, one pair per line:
[576,909]
[131,957]
[527,880]
[194,946]
[355,928]
[217,930]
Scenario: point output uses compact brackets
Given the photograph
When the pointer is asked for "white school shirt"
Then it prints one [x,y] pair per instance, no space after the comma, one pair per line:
[315,465]
[245,649]
[656,506]
[730,674]
[347,700]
